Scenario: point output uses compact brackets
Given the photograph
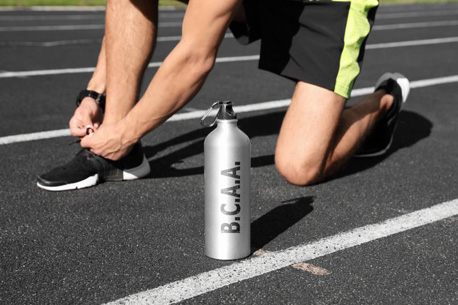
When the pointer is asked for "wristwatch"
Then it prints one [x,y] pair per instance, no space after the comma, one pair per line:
[98,97]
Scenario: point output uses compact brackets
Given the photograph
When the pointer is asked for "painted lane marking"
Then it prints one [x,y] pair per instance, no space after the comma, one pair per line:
[415,25]
[239,109]
[35,136]
[411,43]
[70,9]
[10,74]
[54,9]
[46,44]
[52,17]
[228,35]
[299,266]
[244,270]
[46,72]
[416,14]
[91,69]
[76,17]
[57,43]
[86,27]
[181,15]
[76,27]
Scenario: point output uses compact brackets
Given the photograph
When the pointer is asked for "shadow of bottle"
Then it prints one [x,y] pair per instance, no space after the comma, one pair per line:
[270,225]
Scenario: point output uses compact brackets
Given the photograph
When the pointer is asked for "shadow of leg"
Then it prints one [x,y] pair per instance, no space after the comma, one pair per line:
[412,128]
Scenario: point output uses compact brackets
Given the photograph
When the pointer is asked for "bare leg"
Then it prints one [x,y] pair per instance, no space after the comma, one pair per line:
[89,113]
[318,136]
[130,34]
[99,77]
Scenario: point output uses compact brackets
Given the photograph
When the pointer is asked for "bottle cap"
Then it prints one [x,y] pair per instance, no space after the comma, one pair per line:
[225,112]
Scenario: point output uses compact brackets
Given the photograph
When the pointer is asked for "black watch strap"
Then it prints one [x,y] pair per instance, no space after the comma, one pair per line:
[98,97]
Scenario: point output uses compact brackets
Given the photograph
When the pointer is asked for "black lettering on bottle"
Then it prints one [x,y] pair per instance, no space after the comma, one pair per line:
[232,227]
[234,208]
[234,212]
[231,172]
[231,191]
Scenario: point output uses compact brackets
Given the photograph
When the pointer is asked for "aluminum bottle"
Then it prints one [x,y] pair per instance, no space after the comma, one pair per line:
[227,153]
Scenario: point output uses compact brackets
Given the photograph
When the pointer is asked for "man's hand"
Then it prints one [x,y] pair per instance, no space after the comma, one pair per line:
[88,113]
[108,141]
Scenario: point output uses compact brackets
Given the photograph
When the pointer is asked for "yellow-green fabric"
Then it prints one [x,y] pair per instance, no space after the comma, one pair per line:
[357,29]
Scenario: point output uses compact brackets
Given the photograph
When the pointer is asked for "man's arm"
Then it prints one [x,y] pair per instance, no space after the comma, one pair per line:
[176,82]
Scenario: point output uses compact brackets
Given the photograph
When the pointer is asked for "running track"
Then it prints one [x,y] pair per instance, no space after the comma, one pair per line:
[383,231]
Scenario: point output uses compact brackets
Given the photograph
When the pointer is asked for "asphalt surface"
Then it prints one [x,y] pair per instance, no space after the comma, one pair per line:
[104,243]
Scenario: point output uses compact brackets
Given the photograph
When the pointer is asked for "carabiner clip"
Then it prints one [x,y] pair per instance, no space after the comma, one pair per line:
[214,106]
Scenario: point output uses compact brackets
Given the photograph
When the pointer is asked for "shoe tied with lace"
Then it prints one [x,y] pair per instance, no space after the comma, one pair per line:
[87,169]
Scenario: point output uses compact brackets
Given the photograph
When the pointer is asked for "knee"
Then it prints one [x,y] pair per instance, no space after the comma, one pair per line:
[299,172]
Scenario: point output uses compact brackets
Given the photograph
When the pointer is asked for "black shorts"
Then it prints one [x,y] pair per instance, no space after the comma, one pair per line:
[318,42]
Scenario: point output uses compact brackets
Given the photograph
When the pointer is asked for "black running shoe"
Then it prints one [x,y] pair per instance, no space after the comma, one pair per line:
[381,137]
[87,169]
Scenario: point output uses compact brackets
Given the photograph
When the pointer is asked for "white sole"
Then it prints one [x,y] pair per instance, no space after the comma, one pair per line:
[132,174]
[137,172]
[88,182]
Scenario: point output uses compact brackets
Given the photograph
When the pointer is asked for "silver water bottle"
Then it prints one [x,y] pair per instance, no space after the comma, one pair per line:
[227,153]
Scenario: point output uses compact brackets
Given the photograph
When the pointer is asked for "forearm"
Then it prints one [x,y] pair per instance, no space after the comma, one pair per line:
[177,81]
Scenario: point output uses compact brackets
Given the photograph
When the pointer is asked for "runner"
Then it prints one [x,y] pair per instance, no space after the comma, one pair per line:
[317,44]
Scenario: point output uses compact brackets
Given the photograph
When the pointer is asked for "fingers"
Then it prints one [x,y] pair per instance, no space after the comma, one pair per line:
[79,125]
[77,128]
[86,141]
[90,130]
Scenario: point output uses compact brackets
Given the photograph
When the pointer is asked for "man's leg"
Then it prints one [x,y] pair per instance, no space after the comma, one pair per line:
[130,35]
[318,135]
[89,113]
[98,81]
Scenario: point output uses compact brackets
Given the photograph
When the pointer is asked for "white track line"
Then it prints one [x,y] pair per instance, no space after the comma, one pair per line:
[239,109]
[56,43]
[35,136]
[250,268]
[80,41]
[75,27]
[84,27]
[10,74]
[53,9]
[416,14]
[47,44]
[52,17]
[411,43]
[181,14]
[70,9]
[76,17]
[228,35]
[415,25]
[91,69]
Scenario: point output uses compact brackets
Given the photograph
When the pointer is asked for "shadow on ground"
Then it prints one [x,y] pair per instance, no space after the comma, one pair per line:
[262,125]
[270,225]
[412,128]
